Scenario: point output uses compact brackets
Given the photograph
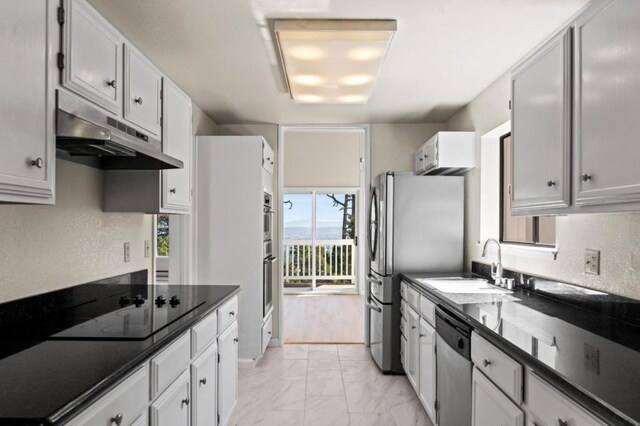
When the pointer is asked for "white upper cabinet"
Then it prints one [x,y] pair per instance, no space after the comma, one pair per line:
[142,92]
[92,56]
[607,57]
[492,407]
[27,109]
[446,153]
[268,158]
[418,161]
[541,128]
[428,368]
[176,142]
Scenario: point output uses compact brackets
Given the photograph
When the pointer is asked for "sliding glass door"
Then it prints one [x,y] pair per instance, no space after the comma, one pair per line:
[320,240]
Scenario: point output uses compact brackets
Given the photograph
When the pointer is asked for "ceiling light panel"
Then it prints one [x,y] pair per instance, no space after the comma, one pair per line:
[333,61]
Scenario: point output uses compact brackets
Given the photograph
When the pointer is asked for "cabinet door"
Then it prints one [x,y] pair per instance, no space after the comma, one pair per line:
[607,59]
[541,129]
[413,356]
[92,56]
[418,161]
[228,372]
[142,92]
[27,109]
[204,380]
[492,407]
[427,368]
[431,153]
[176,142]
[172,407]
[268,158]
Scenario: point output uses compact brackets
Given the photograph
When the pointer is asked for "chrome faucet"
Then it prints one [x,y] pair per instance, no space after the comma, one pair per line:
[496,269]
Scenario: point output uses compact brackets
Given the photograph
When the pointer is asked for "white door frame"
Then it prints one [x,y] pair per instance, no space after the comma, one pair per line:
[363,195]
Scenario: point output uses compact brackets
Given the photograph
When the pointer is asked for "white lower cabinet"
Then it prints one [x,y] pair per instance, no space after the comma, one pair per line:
[204,382]
[549,407]
[490,406]
[427,368]
[413,354]
[227,372]
[172,407]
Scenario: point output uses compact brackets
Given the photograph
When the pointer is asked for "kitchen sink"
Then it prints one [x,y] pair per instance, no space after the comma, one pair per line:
[460,285]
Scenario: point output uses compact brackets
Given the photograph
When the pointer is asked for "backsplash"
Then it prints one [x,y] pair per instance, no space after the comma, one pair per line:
[46,248]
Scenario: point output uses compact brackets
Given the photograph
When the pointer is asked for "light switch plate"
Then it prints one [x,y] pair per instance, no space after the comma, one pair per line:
[592,262]
[147,248]
[127,252]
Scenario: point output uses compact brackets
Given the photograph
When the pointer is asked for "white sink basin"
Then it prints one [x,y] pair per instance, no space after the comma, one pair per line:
[459,285]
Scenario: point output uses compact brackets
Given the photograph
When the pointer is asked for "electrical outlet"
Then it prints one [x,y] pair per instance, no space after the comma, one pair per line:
[591,359]
[127,251]
[147,248]
[592,262]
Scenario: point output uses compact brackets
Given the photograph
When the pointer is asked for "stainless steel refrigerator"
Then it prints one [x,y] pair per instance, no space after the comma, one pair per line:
[415,225]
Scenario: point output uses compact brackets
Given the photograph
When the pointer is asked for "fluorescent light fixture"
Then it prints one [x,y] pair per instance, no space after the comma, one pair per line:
[332,61]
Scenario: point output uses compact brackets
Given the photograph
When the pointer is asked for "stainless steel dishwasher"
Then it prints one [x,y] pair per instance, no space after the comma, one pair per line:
[453,370]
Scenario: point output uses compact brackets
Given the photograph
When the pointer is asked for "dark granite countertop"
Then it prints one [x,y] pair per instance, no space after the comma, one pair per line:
[48,381]
[552,327]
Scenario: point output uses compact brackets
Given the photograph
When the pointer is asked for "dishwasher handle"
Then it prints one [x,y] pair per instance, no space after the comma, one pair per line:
[372,306]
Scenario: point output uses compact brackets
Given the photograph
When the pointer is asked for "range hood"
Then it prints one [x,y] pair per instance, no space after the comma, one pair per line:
[85,131]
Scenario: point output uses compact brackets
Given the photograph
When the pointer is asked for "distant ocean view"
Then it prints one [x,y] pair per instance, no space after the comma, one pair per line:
[304,233]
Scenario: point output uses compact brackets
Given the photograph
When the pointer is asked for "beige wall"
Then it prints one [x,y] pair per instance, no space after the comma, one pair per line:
[202,124]
[322,159]
[615,235]
[270,133]
[45,248]
[393,145]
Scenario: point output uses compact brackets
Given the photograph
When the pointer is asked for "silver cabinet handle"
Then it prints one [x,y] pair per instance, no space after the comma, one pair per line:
[172,190]
[232,313]
[138,101]
[421,335]
[413,327]
[551,183]
[560,422]
[117,419]
[38,162]
[373,307]
[269,333]
[421,159]
[185,402]
[111,83]
[236,340]
[486,363]
[203,381]
[585,177]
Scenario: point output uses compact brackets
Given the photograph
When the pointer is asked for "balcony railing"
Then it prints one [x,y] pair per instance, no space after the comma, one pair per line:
[328,262]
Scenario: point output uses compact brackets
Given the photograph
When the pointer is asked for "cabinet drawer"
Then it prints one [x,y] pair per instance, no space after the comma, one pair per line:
[227,313]
[428,310]
[403,289]
[204,333]
[267,332]
[403,309]
[501,369]
[128,400]
[551,407]
[169,364]
[413,298]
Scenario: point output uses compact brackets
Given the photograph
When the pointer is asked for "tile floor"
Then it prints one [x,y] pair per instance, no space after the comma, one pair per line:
[321,385]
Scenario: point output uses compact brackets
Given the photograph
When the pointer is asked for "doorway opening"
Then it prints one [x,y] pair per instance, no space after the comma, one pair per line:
[322,185]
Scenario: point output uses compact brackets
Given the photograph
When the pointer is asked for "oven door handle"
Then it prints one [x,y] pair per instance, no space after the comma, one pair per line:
[373,279]
[271,211]
[271,259]
[373,307]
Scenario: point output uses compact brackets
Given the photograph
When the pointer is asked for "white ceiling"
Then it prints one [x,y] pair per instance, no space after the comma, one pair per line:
[444,53]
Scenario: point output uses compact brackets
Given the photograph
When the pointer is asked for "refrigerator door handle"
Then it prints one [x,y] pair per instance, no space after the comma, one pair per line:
[373,307]
[374,280]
